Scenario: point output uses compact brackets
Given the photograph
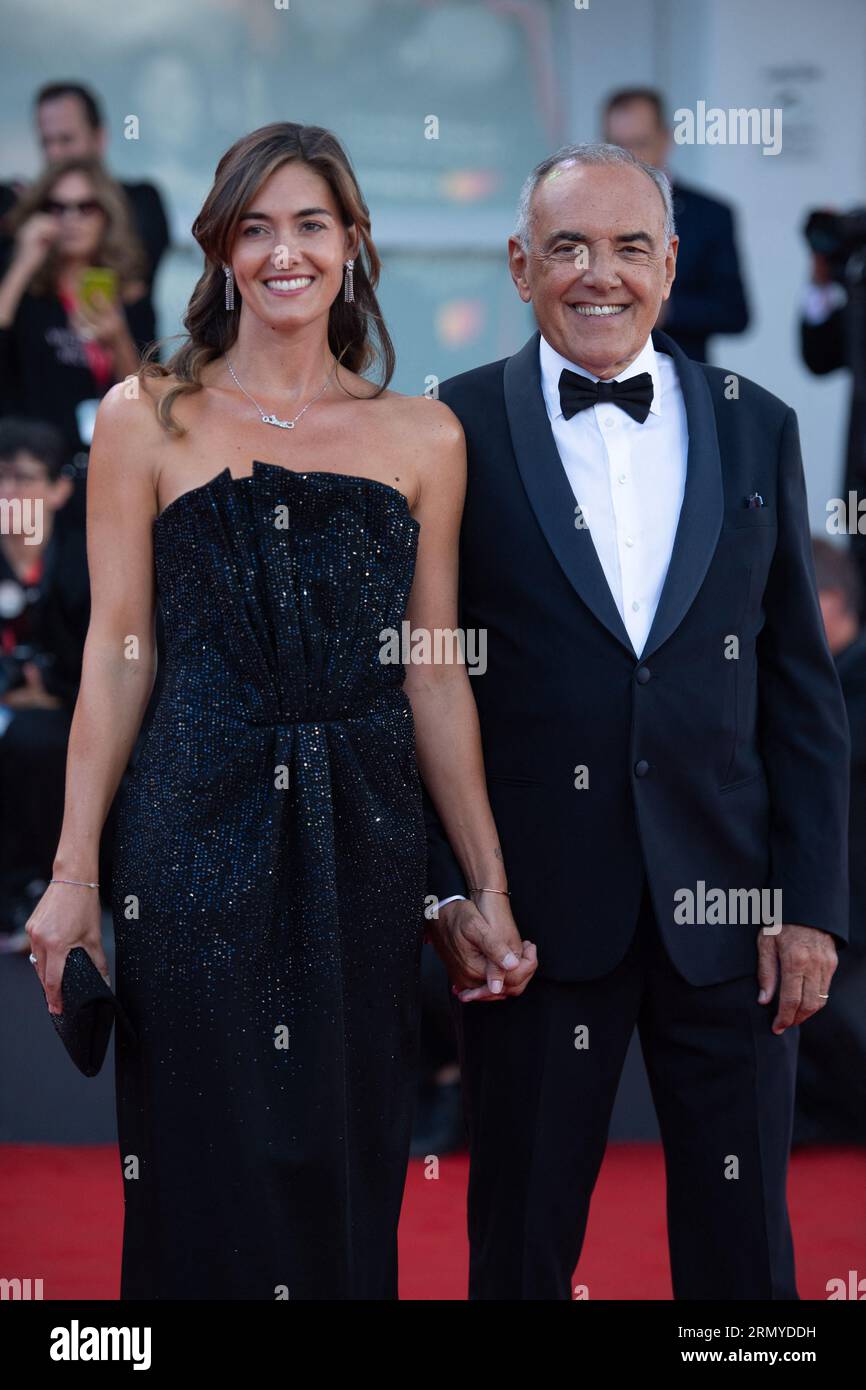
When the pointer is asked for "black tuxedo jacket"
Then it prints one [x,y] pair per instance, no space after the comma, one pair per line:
[733,772]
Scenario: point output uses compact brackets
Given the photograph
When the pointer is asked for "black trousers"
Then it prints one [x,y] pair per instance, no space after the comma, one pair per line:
[540,1076]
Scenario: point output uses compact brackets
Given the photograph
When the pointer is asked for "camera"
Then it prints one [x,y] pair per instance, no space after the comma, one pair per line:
[837,236]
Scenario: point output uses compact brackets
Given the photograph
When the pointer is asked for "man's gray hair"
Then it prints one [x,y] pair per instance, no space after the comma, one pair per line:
[596,153]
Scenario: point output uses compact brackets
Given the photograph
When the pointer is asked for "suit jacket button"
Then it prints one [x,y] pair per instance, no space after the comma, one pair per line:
[642,768]
[642,675]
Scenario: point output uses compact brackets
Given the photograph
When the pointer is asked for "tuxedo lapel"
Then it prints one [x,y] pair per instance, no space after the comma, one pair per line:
[702,510]
[552,499]
[549,490]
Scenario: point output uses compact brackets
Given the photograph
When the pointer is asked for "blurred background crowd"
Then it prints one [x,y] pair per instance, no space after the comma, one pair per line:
[94,267]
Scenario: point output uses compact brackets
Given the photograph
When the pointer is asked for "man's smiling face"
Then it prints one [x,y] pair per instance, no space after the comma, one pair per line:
[597,268]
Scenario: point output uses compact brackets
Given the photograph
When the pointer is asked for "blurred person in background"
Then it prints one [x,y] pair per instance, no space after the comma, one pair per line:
[70,125]
[44,610]
[832,326]
[831,1072]
[708,295]
[74,314]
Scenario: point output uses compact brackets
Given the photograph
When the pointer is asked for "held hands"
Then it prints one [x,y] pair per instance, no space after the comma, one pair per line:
[65,916]
[482,951]
[808,959]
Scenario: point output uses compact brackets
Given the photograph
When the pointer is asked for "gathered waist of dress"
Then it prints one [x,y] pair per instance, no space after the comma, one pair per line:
[359,708]
[259,711]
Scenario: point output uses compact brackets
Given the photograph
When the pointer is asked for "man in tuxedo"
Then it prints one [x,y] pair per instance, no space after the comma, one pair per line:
[660,717]
[709,296]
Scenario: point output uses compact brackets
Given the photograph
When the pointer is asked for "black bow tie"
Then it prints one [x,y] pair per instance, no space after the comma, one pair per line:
[634,395]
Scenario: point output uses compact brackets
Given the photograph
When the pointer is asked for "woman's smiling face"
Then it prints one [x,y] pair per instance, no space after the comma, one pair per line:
[290,248]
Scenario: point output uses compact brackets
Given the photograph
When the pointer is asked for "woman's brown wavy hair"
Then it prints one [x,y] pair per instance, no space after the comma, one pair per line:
[357,335]
[119,248]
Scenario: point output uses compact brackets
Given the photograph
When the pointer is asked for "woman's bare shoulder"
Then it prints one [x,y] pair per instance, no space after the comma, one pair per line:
[136,400]
[424,409]
[433,429]
[429,419]
[429,435]
[128,427]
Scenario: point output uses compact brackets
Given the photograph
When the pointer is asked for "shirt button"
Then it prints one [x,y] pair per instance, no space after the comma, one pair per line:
[622,477]
[609,422]
[635,606]
[629,540]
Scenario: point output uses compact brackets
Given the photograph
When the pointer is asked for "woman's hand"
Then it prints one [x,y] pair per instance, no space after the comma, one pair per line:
[32,244]
[482,951]
[100,320]
[65,916]
[35,238]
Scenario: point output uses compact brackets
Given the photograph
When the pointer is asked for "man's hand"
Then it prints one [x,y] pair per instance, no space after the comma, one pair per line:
[483,953]
[808,960]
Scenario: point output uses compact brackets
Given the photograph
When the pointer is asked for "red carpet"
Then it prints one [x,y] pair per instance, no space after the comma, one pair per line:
[60,1219]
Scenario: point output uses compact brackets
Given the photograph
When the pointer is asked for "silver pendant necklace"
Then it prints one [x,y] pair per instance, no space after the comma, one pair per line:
[272,419]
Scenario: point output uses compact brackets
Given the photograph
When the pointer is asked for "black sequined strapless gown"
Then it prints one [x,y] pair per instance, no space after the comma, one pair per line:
[268,896]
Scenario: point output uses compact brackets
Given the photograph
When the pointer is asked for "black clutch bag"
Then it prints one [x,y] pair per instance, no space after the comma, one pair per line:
[89,1010]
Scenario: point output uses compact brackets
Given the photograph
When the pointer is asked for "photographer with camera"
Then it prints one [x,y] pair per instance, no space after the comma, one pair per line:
[833,334]
[44,612]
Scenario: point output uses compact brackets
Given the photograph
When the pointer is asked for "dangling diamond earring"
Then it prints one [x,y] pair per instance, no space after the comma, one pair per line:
[348,283]
[230,287]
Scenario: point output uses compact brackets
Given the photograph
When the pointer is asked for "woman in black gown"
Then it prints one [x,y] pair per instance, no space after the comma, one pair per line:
[270,861]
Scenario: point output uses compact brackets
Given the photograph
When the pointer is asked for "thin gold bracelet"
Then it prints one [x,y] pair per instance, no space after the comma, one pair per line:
[504,891]
[77,881]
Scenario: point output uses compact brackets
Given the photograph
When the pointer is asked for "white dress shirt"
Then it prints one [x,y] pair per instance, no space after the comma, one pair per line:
[627,478]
